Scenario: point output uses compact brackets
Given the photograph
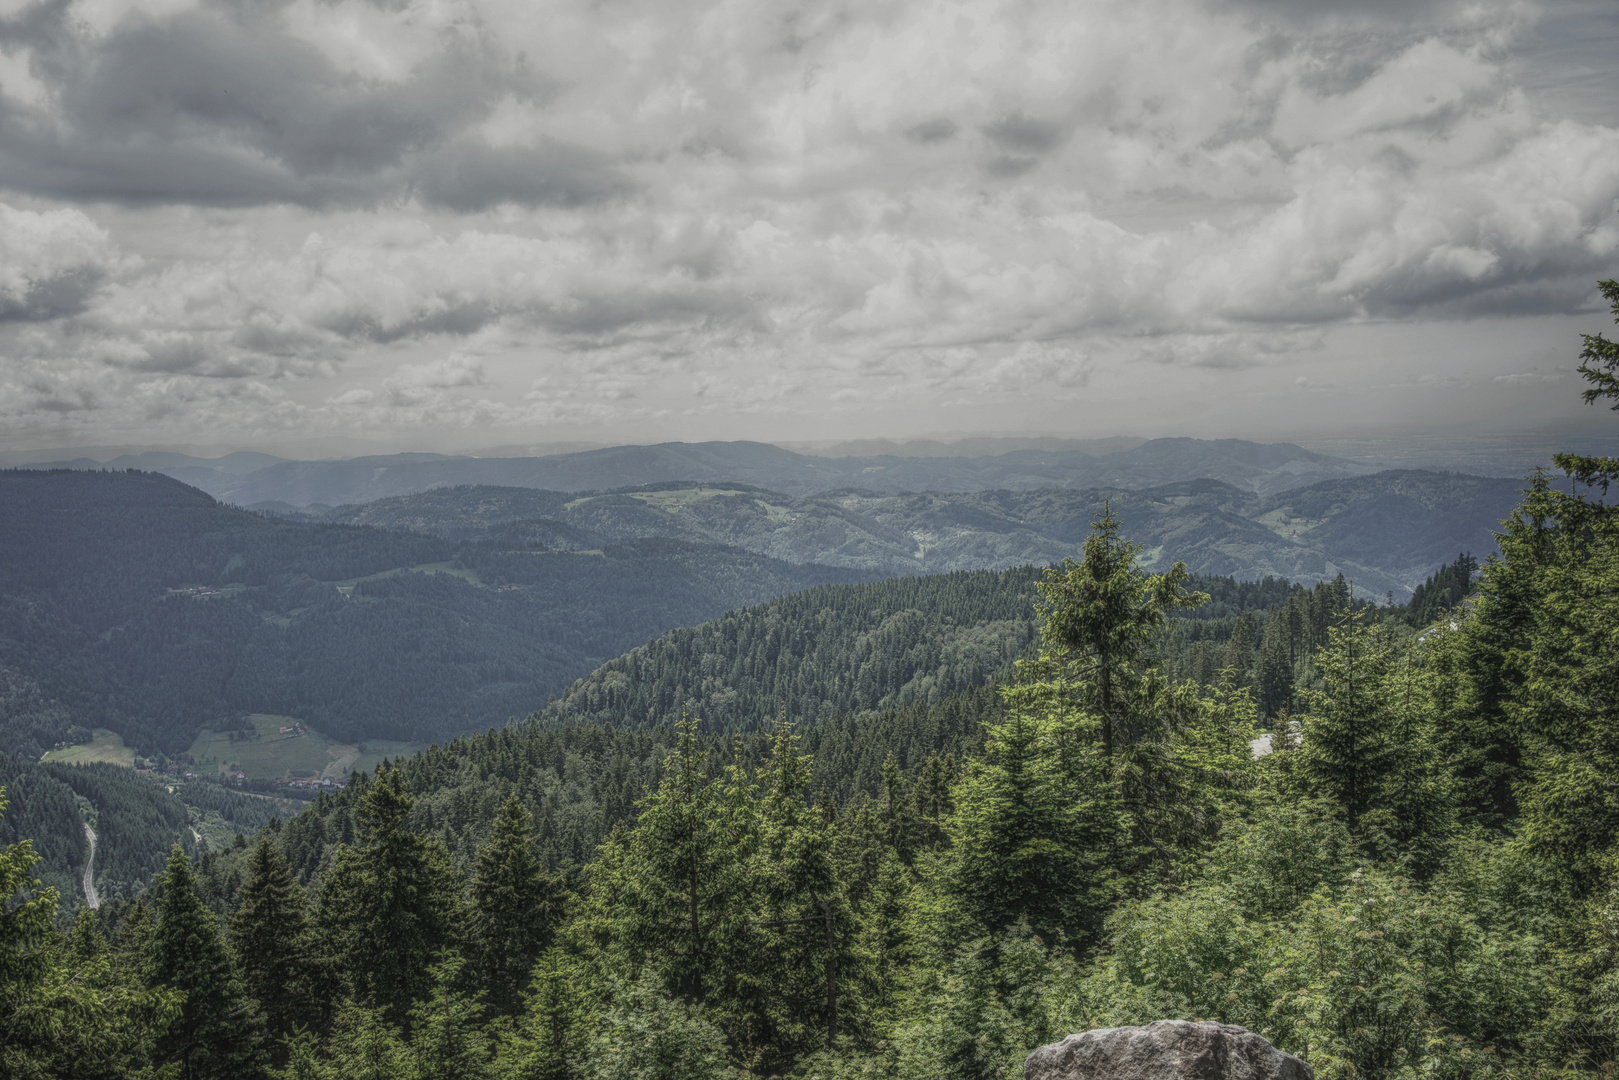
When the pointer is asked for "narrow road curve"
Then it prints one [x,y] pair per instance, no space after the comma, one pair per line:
[90,896]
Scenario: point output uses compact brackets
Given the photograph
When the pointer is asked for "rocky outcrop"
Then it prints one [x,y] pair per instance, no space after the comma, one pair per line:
[1165,1050]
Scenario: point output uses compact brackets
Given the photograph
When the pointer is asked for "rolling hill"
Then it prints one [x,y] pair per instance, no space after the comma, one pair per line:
[1387,531]
[248,480]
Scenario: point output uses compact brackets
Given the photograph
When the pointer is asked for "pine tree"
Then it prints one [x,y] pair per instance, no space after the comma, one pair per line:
[516,906]
[388,905]
[25,962]
[270,933]
[1032,841]
[1274,677]
[805,930]
[559,1017]
[218,1032]
[1101,616]
[1349,743]
[647,1035]
[447,1039]
[1599,366]
[365,1046]
[674,888]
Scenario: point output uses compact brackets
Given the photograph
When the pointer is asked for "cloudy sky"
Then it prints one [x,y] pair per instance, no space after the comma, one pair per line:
[456,223]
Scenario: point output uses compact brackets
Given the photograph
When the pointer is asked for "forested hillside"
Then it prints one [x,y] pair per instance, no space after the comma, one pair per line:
[1387,531]
[133,603]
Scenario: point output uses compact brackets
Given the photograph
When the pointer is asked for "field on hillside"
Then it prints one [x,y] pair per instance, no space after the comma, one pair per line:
[272,753]
[104,745]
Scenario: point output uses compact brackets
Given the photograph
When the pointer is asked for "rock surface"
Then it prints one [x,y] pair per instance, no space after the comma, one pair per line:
[1165,1050]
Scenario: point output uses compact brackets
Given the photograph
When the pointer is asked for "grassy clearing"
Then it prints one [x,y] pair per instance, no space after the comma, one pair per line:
[104,745]
[669,500]
[270,753]
[469,576]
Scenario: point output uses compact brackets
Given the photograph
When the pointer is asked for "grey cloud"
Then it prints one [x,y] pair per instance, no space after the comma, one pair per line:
[1020,134]
[67,293]
[1009,165]
[605,315]
[459,318]
[471,175]
[936,130]
[206,107]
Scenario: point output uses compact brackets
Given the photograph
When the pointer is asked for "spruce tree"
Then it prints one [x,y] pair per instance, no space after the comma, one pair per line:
[1033,842]
[388,905]
[1102,616]
[1599,366]
[219,1032]
[806,939]
[270,933]
[674,888]
[516,906]
[25,962]
[559,1017]
[447,1038]
[1349,742]
[364,1046]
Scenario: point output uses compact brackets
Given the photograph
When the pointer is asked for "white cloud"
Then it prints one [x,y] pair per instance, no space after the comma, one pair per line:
[569,214]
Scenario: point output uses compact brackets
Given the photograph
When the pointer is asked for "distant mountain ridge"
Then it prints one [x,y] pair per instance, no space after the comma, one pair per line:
[1260,468]
[1388,531]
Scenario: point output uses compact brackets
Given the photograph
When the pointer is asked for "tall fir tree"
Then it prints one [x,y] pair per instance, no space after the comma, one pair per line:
[674,889]
[219,1032]
[552,1038]
[389,904]
[270,933]
[448,1041]
[1034,834]
[1349,742]
[1101,617]
[516,907]
[805,934]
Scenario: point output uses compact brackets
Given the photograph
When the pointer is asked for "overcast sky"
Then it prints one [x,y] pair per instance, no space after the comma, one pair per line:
[457,223]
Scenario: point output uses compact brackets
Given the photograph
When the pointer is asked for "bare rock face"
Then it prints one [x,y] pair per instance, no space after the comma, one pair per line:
[1165,1050]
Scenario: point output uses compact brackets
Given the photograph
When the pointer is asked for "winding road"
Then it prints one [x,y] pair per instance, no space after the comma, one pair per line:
[90,896]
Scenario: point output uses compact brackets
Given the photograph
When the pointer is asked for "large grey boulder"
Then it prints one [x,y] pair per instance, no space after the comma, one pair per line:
[1165,1050]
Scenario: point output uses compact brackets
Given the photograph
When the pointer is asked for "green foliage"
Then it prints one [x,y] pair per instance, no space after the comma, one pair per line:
[845,649]
[1599,366]
[389,904]
[364,1046]
[516,907]
[560,1017]
[1031,839]
[270,932]
[219,1031]
[1100,617]
[648,1035]
[447,1040]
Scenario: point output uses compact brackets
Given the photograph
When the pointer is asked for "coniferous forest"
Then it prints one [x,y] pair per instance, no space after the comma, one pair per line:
[1384,839]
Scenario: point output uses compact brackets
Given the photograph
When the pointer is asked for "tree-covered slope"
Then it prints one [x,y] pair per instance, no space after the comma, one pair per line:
[131,602]
[137,818]
[818,653]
